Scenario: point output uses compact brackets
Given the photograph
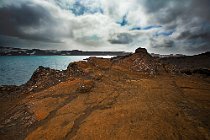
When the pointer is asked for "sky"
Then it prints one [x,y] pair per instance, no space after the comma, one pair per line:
[160,26]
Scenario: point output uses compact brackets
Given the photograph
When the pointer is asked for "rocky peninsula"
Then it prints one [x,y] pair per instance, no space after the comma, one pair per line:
[136,96]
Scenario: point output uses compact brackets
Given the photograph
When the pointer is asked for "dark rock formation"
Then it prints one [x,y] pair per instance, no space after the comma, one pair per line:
[141,61]
[43,78]
[189,62]
[10,90]
[140,50]
[205,72]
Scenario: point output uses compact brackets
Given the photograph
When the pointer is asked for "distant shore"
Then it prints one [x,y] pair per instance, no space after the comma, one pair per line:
[9,51]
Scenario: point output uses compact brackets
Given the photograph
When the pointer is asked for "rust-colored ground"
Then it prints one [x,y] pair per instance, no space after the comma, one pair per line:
[113,104]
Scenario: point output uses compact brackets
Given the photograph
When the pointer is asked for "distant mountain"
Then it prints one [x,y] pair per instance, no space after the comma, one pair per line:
[9,51]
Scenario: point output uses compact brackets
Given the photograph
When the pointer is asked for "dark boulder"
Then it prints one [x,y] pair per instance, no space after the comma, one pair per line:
[141,50]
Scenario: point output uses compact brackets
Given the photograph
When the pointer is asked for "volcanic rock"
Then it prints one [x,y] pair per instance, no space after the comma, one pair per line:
[119,98]
[140,50]
[43,78]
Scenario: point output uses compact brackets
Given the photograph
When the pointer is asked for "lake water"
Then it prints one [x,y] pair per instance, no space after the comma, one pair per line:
[16,70]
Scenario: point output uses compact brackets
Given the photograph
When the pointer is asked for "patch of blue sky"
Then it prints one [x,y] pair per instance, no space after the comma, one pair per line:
[78,8]
[123,21]
[146,27]
[136,28]
[164,33]
[151,27]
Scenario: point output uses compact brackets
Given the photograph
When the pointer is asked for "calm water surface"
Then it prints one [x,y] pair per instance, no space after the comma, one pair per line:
[16,70]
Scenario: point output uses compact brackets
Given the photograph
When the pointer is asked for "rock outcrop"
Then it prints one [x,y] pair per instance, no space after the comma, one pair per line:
[123,97]
[43,78]
[141,61]
[141,50]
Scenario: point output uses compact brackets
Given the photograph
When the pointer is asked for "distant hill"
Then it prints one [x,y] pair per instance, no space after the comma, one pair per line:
[9,51]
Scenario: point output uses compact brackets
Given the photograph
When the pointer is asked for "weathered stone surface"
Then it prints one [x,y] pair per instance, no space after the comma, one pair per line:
[120,98]
[44,78]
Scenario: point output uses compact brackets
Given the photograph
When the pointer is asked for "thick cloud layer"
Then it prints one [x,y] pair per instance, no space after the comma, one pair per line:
[21,20]
[172,26]
[188,20]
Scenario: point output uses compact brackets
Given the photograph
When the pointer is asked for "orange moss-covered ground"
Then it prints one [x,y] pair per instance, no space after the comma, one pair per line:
[111,102]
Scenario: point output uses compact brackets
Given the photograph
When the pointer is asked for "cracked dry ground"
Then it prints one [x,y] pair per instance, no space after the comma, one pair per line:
[121,105]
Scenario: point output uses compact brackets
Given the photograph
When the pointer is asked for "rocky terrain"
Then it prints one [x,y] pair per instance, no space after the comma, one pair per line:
[128,97]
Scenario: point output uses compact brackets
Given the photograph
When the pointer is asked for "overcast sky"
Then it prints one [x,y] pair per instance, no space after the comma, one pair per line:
[161,26]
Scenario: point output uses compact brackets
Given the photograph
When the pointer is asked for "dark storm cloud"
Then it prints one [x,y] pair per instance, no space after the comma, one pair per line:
[189,35]
[15,18]
[154,5]
[165,43]
[172,10]
[202,32]
[10,41]
[197,45]
[190,20]
[121,38]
